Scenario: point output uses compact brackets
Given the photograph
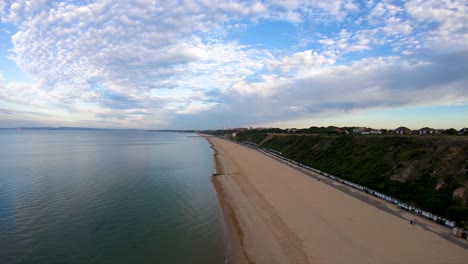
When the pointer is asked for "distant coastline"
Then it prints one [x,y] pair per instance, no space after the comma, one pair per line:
[96,129]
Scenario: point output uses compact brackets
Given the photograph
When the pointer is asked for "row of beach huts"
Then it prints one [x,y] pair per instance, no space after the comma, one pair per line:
[428,215]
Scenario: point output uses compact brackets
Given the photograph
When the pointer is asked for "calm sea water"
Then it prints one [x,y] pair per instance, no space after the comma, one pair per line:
[107,197]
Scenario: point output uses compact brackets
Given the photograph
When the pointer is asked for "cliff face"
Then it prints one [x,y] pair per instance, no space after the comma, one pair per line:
[428,171]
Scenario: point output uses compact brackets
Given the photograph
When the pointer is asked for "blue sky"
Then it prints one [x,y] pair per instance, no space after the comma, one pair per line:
[209,64]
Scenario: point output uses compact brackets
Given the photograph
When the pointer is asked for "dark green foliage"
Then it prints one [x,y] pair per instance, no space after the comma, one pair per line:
[457,213]
[218,132]
[320,130]
[451,131]
[421,170]
[251,137]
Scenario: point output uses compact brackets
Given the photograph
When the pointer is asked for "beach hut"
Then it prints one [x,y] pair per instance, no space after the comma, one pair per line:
[464,235]
[459,232]
[454,231]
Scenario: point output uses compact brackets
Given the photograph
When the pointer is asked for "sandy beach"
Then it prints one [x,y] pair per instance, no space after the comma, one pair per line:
[275,213]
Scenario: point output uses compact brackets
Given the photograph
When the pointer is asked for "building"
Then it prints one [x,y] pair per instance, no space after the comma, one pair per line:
[402,131]
[341,131]
[463,131]
[427,131]
[366,131]
[359,130]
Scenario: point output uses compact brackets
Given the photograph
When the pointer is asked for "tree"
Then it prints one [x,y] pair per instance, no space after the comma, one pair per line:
[457,213]
[451,131]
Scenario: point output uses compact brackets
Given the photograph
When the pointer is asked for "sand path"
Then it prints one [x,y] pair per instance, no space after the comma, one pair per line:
[277,214]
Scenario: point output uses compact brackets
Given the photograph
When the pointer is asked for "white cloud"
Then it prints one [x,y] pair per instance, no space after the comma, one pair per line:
[346,42]
[19,9]
[131,49]
[195,108]
[15,7]
[3,5]
[24,94]
[382,11]
[267,85]
[326,41]
[447,18]
[397,26]
[304,60]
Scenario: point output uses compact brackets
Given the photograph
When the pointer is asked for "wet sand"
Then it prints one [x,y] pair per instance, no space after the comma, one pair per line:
[278,214]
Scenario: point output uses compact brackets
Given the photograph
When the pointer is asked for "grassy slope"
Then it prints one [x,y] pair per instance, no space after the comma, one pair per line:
[423,170]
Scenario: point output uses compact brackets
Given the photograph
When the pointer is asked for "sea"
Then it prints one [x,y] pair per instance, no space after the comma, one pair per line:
[69,196]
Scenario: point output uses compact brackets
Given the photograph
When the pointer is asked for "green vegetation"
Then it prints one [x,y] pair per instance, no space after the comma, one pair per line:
[451,131]
[430,172]
[252,136]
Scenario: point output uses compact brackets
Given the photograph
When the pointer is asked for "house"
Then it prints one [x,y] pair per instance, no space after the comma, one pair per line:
[463,131]
[341,131]
[359,130]
[366,131]
[402,131]
[427,131]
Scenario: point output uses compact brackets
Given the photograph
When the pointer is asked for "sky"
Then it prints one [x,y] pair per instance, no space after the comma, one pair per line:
[213,64]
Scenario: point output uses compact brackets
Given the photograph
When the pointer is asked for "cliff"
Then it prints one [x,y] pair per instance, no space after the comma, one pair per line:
[430,172]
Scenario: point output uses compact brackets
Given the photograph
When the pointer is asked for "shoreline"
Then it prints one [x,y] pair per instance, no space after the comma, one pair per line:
[235,252]
[274,213]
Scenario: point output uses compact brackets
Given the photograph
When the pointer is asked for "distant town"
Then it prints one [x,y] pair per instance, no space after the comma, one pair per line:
[232,132]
